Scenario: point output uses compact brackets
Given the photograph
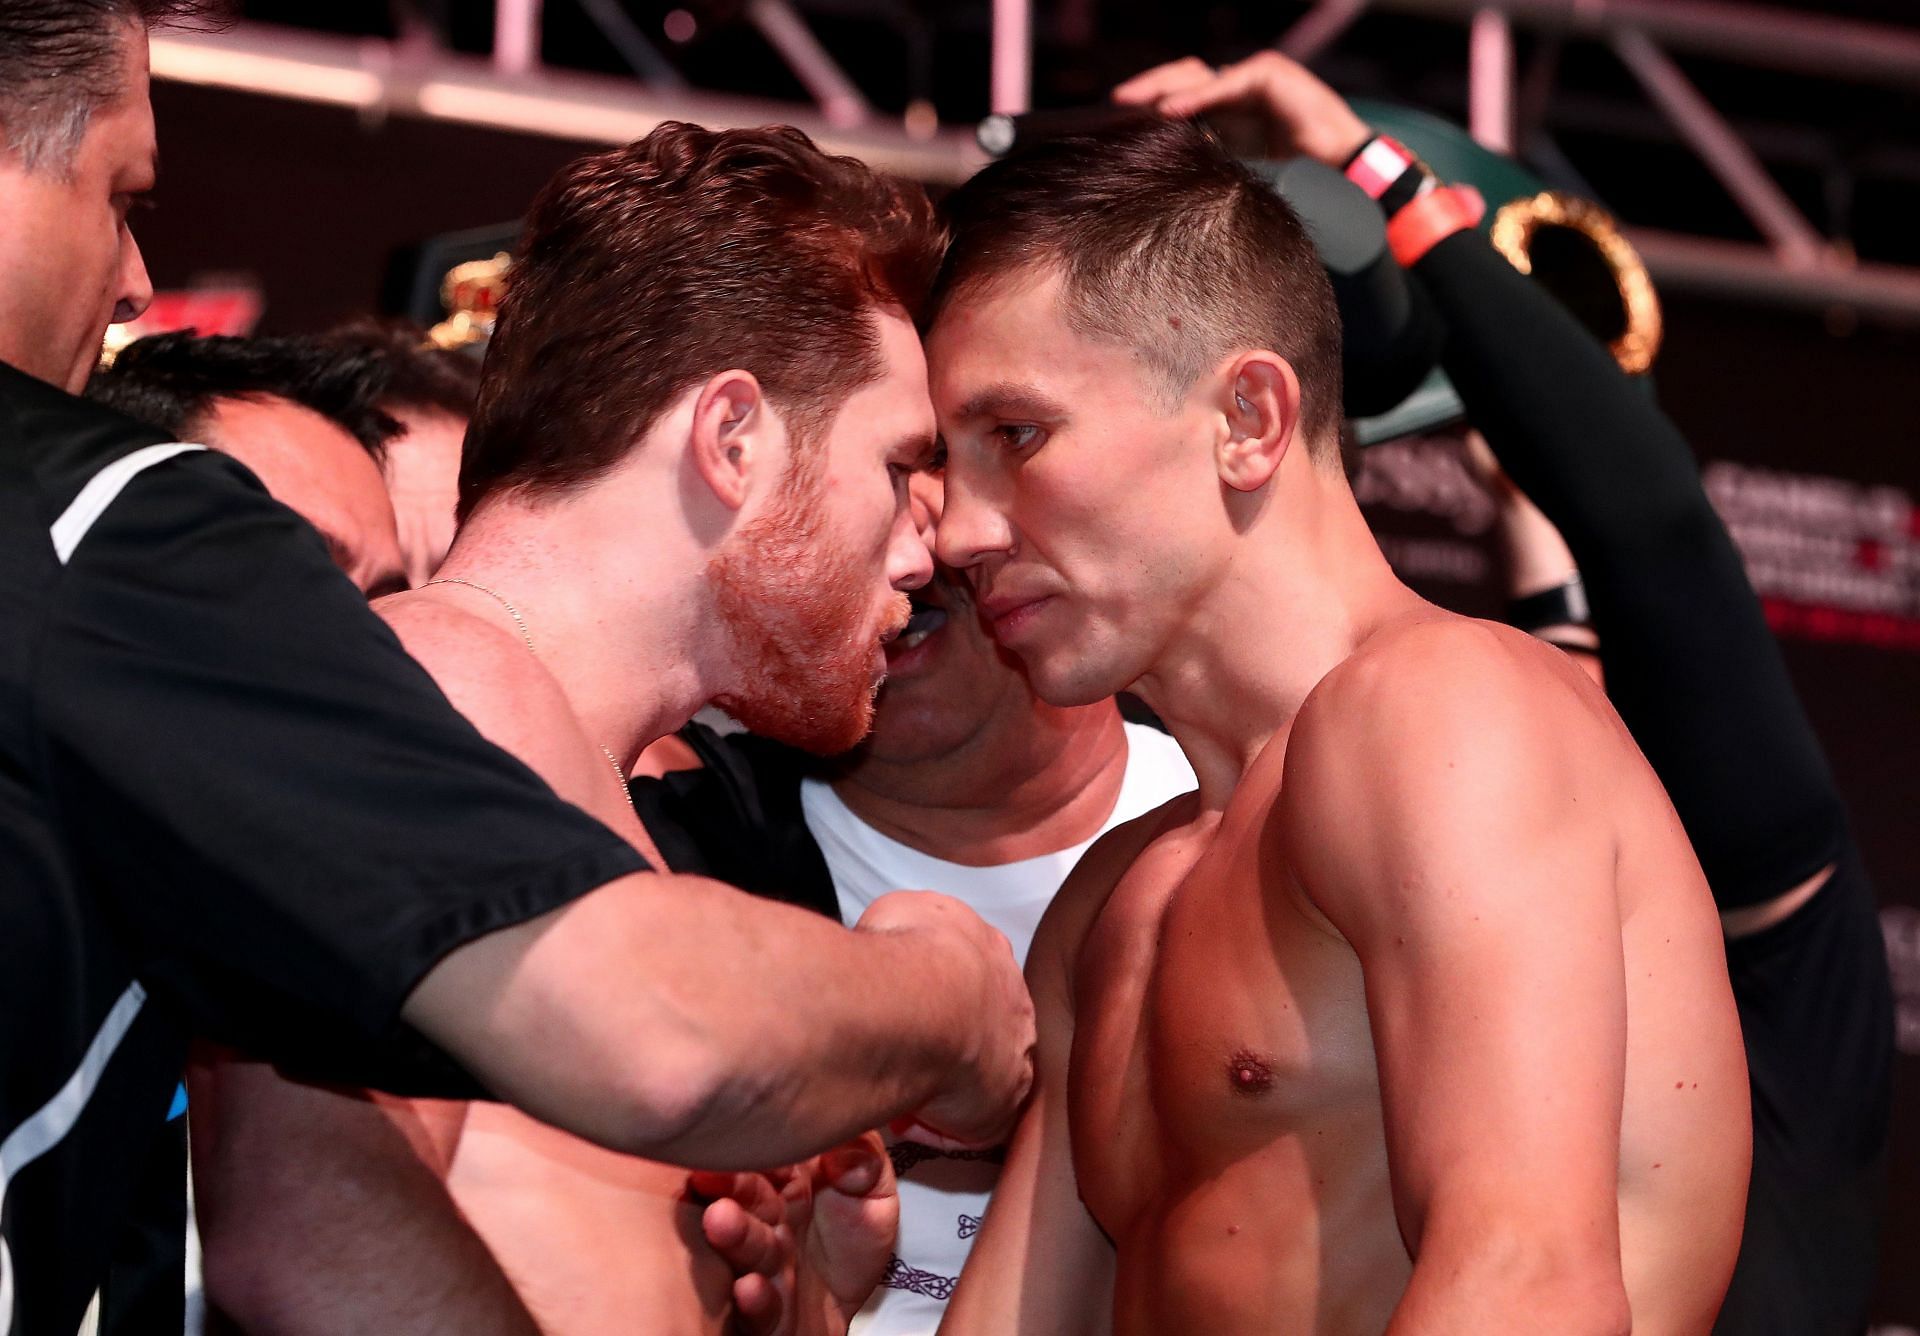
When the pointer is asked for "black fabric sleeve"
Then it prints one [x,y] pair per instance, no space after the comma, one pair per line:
[738,819]
[289,819]
[1691,665]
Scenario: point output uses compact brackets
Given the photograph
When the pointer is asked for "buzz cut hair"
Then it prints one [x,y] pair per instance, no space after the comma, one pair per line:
[1167,246]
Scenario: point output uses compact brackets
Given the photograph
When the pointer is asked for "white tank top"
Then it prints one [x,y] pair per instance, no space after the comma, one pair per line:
[943,1197]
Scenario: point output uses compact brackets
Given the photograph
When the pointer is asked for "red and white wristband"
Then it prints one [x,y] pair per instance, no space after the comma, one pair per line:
[1390,173]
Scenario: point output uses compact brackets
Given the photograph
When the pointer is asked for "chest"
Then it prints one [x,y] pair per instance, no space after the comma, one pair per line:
[1215,1016]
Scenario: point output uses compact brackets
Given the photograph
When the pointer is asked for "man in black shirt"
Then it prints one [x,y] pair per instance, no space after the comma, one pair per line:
[231,804]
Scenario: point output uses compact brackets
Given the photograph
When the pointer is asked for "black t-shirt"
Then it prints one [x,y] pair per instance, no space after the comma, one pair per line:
[230,804]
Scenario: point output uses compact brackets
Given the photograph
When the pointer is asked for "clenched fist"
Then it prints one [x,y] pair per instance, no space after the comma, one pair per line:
[994,1067]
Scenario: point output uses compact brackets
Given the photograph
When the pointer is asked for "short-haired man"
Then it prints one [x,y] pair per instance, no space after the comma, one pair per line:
[724,519]
[231,804]
[1416,1016]
[430,393]
[1699,679]
[302,414]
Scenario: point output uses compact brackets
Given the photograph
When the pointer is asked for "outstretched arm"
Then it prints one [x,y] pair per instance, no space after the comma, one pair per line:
[1435,795]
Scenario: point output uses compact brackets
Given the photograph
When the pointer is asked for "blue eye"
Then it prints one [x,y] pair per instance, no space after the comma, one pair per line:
[1018,436]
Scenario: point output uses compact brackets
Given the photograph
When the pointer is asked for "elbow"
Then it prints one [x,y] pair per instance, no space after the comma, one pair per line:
[1573,1294]
[670,1101]
[1536,1284]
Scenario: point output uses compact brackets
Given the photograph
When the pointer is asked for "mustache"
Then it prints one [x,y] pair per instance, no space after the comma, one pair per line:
[899,611]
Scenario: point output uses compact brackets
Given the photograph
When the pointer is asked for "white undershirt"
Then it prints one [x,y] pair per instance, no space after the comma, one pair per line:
[943,1198]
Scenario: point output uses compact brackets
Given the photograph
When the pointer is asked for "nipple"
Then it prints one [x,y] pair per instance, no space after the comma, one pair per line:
[1248,1073]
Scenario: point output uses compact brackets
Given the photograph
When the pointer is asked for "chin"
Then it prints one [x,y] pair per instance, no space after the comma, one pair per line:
[827,724]
[1062,679]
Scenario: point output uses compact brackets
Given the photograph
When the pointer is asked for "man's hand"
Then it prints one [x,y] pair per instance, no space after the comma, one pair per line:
[979,1103]
[808,1244]
[1304,115]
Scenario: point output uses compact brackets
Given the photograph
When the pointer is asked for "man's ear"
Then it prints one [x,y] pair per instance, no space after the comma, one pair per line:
[733,437]
[1260,407]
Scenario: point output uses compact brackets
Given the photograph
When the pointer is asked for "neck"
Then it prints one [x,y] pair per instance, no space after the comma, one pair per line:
[627,645]
[1033,781]
[1306,585]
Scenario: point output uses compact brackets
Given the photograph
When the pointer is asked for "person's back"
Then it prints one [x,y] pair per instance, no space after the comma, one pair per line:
[1235,1150]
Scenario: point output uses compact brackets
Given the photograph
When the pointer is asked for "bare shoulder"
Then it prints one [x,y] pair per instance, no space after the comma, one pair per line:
[1438,731]
[1056,943]
[488,674]
[1446,683]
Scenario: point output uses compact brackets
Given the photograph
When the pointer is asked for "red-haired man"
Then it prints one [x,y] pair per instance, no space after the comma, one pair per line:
[685,482]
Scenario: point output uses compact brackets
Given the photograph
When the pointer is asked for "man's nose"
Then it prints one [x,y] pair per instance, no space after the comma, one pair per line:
[909,559]
[970,528]
[136,286]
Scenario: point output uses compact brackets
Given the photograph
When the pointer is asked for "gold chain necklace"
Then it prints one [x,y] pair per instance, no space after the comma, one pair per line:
[527,637]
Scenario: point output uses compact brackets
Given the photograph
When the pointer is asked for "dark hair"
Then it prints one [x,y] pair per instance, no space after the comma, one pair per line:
[59,63]
[1167,245]
[646,269]
[170,380]
[420,376]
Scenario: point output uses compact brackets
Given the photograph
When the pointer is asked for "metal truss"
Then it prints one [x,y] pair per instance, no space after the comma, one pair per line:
[1797,264]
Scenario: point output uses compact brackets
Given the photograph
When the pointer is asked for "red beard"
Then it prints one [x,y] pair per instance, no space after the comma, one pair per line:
[797,612]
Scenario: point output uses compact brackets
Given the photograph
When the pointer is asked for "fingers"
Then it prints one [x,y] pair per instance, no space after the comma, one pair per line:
[1235,86]
[860,1168]
[1151,86]
[757,1309]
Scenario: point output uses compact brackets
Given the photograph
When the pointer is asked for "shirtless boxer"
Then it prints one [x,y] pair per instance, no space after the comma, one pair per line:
[685,481]
[1416,1017]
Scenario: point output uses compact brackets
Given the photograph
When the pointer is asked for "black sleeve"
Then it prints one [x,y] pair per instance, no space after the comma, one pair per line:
[287,817]
[1691,664]
[738,819]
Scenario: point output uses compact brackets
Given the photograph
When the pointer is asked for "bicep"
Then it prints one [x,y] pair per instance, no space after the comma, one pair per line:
[1462,852]
[1498,1016]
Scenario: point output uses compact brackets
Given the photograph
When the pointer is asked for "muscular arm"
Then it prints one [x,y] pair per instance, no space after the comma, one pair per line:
[1435,797]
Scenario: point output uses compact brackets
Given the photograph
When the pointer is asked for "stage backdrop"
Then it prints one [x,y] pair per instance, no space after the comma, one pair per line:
[1805,427]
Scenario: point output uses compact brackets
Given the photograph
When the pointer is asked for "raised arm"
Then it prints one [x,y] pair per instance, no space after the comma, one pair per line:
[1436,796]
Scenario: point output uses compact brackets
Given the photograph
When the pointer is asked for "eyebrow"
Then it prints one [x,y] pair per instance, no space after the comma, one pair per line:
[1010,399]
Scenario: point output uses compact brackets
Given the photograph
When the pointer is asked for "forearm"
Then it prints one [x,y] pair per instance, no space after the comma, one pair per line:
[621,1019]
[319,1215]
